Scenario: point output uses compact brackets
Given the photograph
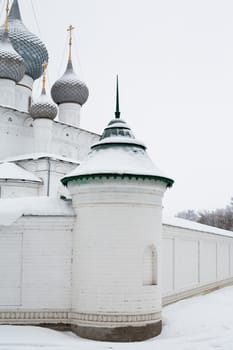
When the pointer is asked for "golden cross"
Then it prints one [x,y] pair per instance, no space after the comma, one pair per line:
[44,66]
[7,14]
[70,30]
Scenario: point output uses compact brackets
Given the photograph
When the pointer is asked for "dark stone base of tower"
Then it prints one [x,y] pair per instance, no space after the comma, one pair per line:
[119,334]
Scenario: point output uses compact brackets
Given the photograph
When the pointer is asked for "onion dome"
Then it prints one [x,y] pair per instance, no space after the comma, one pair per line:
[43,107]
[117,154]
[69,89]
[11,63]
[28,45]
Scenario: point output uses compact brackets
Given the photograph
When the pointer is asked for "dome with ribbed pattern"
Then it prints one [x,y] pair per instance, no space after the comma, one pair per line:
[69,88]
[11,63]
[27,44]
[43,107]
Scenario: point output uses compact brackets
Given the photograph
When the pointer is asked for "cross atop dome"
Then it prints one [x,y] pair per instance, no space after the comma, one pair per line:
[70,30]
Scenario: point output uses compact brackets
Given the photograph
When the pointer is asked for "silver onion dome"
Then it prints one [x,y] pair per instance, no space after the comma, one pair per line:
[27,44]
[11,63]
[43,107]
[69,88]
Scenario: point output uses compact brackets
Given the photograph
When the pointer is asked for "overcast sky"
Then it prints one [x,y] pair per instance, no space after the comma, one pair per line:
[175,63]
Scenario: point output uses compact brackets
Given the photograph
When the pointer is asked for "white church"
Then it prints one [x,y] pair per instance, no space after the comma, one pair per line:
[83,244]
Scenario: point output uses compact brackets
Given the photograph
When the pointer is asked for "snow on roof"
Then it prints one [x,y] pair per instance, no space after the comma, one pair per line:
[117,160]
[35,156]
[191,225]
[11,209]
[11,171]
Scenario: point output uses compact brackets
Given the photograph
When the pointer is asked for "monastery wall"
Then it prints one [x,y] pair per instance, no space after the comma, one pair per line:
[195,261]
[36,266]
[35,270]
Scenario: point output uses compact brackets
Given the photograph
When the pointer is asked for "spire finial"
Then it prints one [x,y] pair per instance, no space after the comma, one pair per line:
[44,65]
[15,11]
[7,15]
[117,113]
[70,30]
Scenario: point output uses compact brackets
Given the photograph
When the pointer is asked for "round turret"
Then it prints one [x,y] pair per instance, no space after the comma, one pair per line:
[69,89]
[117,196]
[43,107]
[118,153]
[28,45]
[11,63]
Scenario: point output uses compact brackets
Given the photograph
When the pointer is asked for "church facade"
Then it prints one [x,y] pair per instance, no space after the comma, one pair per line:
[83,245]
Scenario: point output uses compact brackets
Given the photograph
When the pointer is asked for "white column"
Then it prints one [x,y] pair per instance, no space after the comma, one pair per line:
[69,113]
[42,135]
[23,94]
[7,93]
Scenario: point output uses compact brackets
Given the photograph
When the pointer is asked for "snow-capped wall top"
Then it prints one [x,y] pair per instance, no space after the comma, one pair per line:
[11,171]
[11,209]
[195,226]
[117,153]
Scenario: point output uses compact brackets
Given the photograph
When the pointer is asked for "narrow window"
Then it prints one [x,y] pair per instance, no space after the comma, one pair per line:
[29,103]
[150,266]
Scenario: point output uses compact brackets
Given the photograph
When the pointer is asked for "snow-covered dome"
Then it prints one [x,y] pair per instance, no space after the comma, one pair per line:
[11,63]
[28,45]
[69,88]
[43,107]
[117,153]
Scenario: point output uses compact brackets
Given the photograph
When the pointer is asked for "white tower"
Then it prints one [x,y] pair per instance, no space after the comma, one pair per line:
[69,92]
[117,195]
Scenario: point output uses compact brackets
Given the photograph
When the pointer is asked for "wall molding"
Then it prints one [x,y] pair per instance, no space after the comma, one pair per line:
[107,318]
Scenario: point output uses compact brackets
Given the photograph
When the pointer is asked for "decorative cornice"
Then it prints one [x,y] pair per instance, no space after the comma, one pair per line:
[114,318]
[32,317]
[82,179]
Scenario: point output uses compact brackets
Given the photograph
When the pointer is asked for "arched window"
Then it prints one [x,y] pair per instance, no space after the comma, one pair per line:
[150,266]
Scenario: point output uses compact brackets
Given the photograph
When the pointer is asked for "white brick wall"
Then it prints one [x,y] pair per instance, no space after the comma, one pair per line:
[194,260]
[36,262]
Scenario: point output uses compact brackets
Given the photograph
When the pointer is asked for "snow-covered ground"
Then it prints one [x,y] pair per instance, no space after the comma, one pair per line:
[200,323]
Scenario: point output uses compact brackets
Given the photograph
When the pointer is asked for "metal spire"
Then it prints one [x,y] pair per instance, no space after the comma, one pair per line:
[7,15]
[15,11]
[117,113]
[70,30]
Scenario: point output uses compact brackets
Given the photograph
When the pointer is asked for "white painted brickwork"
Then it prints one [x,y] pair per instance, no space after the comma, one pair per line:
[194,260]
[117,221]
[35,266]
[17,136]
[39,284]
